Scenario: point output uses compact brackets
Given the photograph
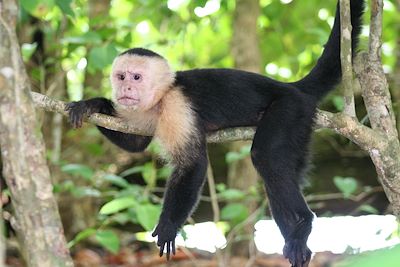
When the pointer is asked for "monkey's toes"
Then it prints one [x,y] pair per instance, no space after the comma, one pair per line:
[297,252]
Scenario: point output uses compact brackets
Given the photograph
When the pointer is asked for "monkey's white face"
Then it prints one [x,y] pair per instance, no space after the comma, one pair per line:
[139,82]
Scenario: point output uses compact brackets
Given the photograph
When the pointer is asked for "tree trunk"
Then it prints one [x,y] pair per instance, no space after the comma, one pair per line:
[37,221]
[246,52]
[386,153]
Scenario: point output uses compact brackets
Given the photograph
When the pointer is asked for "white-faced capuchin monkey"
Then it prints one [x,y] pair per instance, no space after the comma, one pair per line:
[180,108]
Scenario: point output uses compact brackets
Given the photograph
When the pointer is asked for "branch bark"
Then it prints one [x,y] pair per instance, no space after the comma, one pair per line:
[346,58]
[23,153]
[340,123]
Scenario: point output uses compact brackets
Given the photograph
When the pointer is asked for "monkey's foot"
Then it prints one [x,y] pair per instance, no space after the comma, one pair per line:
[166,232]
[297,252]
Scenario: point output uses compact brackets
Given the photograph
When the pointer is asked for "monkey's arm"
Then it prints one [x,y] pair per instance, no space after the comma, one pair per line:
[180,199]
[129,142]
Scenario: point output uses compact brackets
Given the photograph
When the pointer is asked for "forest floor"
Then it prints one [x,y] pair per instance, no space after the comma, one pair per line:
[130,257]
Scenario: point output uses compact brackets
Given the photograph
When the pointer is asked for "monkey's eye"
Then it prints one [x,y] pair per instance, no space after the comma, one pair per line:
[121,77]
[137,76]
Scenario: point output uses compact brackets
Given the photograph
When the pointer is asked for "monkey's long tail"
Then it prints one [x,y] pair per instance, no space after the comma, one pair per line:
[327,73]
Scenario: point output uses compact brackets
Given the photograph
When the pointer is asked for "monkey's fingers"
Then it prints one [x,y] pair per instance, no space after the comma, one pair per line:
[168,250]
[75,114]
[173,247]
[162,249]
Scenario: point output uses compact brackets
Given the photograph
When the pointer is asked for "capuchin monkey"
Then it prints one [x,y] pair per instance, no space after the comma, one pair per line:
[180,108]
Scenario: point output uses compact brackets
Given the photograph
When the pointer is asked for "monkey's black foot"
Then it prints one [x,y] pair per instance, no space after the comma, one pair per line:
[297,252]
[166,232]
[77,111]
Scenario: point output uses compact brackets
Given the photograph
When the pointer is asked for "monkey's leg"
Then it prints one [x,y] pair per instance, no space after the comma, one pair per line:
[78,110]
[278,149]
[180,199]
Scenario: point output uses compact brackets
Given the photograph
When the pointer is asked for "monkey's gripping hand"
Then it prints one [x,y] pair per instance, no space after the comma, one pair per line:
[80,109]
[166,232]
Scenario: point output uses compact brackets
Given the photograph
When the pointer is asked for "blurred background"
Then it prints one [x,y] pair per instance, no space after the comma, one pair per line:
[109,200]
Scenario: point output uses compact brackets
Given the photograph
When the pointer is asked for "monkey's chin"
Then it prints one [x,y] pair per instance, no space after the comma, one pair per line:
[128,108]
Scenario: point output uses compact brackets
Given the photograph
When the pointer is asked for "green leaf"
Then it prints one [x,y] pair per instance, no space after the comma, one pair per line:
[232,157]
[220,187]
[78,170]
[338,102]
[37,8]
[388,257]
[101,56]
[346,185]
[85,191]
[109,240]
[116,180]
[130,171]
[232,194]
[148,215]
[28,50]
[86,38]
[235,212]
[65,6]
[245,150]
[118,204]
[29,5]
[80,236]
[164,172]
[121,218]
[149,173]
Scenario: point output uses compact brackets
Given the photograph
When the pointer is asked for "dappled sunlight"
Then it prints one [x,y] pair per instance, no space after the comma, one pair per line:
[337,234]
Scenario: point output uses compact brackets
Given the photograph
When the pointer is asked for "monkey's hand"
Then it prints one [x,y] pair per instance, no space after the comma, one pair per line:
[297,252]
[80,109]
[77,110]
[166,232]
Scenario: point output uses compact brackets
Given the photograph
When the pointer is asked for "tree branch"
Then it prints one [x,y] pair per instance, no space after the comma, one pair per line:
[340,123]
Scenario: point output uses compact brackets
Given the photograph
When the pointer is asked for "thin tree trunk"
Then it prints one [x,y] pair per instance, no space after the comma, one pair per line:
[37,221]
[247,55]
[2,239]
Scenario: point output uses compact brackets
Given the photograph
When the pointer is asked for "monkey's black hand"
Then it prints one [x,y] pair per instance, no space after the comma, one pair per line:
[77,111]
[297,252]
[166,232]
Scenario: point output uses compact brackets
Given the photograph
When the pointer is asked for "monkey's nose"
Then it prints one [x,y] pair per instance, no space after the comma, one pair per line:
[128,88]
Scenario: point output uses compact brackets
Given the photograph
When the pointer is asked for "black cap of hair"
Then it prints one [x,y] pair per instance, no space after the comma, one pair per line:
[141,52]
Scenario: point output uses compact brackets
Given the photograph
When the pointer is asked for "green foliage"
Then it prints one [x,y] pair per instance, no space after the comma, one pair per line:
[338,102]
[109,240]
[236,156]
[65,6]
[28,50]
[116,205]
[102,56]
[346,185]
[81,236]
[78,170]
[388,257]
[148,215]
[235,212]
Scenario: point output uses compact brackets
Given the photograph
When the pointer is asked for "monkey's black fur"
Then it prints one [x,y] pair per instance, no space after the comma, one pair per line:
[141,52]
[221,98]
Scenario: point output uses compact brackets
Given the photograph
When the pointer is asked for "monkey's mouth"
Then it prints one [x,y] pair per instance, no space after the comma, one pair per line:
[128,101]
